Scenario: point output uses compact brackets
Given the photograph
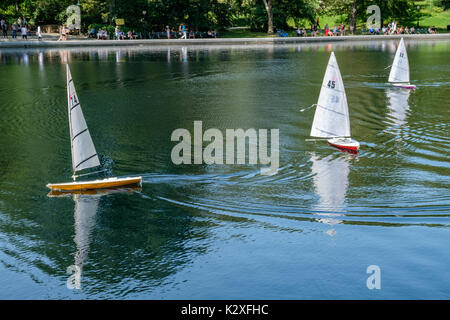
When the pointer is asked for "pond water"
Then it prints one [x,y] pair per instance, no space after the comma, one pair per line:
[226,231]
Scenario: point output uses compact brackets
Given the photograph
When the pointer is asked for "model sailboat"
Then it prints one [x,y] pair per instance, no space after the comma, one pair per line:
[399,75]
[331,119]
[84,155]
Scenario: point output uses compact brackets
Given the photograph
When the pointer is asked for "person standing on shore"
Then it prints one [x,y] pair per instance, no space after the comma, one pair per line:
[24,30]
[5,29]
[39,33]
[14,31]
[342,29]
[117,33]
[168,32]
[62,32]
[183,30]
[393,27]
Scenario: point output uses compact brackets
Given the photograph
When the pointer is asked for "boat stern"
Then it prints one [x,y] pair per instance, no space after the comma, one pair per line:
[404,86]
[345,144]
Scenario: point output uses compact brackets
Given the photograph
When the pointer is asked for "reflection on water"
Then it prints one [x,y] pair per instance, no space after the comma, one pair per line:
[330,176]
[85,212]
[225,231]
[398,107]
[185,54]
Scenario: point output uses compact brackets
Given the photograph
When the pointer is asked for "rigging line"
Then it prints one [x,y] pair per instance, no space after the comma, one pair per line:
[304,109]
[86,174]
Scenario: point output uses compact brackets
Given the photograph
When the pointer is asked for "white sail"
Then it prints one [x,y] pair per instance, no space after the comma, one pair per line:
[331,118]
[84,155]
[400,67]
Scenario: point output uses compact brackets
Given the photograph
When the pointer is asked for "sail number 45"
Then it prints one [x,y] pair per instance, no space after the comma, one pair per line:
[331,84]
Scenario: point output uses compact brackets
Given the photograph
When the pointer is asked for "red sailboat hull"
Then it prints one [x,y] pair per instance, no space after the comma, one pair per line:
[405,86]
[347,145]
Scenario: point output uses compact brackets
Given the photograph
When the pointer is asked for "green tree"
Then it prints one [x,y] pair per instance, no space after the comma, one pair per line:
[266,15]
[401,10]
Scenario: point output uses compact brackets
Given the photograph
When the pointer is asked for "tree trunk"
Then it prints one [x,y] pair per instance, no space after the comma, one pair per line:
[353,17]
[112,7]
[268,5]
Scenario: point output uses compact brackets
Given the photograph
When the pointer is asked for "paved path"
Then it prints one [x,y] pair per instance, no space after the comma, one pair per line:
[46,43]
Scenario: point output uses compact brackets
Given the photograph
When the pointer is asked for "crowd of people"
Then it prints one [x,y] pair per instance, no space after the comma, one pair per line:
[183,33]
[337,30]
[340,30]
[20,25]
[121,35]
[392,28]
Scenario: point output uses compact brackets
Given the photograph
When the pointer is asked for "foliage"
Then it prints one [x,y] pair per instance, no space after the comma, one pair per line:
[204,15]
[402,11]
[283,11]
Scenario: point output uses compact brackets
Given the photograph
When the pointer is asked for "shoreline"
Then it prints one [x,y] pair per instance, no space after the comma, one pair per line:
[34,43]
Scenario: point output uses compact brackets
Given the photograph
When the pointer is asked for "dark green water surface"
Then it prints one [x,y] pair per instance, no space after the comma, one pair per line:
[226,231]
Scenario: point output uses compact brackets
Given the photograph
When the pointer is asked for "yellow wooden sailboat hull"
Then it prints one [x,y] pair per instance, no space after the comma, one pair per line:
[95,192]
[96,184]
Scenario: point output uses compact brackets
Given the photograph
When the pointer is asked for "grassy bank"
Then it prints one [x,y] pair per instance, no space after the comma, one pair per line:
[433,15]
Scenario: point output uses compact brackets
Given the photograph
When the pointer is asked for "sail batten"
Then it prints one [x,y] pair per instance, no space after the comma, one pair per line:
[84,155]
[400,66]
[331,118]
